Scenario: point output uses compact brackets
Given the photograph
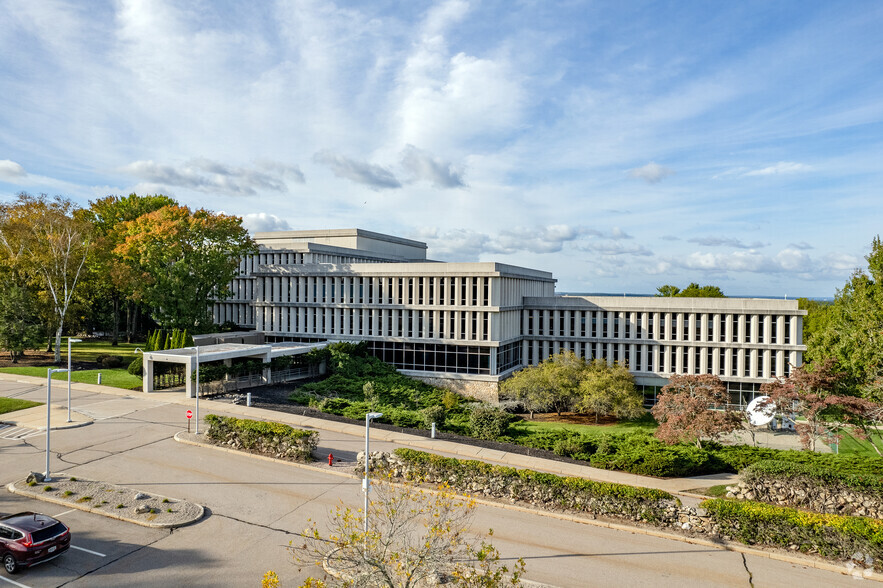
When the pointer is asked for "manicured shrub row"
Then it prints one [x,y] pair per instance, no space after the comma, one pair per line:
[820,474]
[830,536]
[641,453]
[578,494]
[264,437]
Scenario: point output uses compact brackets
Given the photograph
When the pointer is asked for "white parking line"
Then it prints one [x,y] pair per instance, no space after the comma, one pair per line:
[88,551]
[61,514]
[13,582]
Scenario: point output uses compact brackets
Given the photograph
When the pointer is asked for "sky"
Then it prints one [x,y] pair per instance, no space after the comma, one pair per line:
[619,145]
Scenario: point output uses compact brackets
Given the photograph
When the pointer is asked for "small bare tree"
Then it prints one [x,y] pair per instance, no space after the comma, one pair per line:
[415,537]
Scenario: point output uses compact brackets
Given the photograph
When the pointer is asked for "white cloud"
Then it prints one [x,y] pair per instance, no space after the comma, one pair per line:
[783,167]
[725,241]
[652,173]
[11,171]
[464,245]
[787,261]
[422,165]
[204,175]
[259,222]
[374,176]
[446,97]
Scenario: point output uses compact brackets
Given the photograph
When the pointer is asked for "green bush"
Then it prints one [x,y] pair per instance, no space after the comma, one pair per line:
[254,434]
[136,366]
[109,361]
[832,536]
[488,422]
[433,414]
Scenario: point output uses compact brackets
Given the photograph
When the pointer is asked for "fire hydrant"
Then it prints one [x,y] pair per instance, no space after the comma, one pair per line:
[330,459]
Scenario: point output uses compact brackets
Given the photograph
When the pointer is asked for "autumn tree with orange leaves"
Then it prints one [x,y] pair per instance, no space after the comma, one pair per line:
[183,260]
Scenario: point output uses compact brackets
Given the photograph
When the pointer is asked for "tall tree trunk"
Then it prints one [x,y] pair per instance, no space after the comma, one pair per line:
[58,342]
[129,321]
[115,337]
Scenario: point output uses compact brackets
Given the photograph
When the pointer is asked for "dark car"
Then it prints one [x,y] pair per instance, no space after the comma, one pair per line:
[29,538]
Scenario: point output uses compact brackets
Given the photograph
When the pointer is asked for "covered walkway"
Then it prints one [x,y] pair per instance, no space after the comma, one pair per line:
[226,352]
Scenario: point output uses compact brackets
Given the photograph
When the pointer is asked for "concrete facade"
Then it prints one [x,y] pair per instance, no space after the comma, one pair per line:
[470,325]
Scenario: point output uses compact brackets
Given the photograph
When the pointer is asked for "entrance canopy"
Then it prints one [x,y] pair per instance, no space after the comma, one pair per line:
[220,352]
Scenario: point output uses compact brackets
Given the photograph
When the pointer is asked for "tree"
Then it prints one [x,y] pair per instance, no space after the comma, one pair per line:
[109,277]
[532,387]
[184,260]
[668,290]
[694,290]
[414,537]
[693,407]
[609,389]
[49,244]
[853,331]
[551,384]
[812,393]
[20,326]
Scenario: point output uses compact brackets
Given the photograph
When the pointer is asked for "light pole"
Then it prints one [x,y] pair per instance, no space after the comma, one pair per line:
[366,486]
[197,389]
[49,373]
[69,341]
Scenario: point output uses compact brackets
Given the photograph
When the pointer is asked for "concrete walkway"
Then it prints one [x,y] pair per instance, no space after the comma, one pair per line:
[35,418]
[679,486]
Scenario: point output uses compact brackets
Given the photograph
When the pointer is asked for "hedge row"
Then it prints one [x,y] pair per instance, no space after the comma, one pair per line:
[820,473]
[831,536]
[578,494]
[262,436]
[641,453]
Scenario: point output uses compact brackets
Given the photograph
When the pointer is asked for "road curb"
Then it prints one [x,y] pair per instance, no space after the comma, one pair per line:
[109,513]
[720,545]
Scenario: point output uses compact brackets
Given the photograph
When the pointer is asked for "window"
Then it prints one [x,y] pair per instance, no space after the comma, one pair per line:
[650,327]
[529,322]
[774,331]
[787,332]
[486,292]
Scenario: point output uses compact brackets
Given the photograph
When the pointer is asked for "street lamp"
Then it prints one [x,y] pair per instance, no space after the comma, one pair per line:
[49,373]
[69,341]
[197,389]
[366,486]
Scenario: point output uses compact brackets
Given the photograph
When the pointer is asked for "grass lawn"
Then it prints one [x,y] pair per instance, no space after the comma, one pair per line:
[90,349]
[849,445]
[117,377]
[527,427]
[13,404]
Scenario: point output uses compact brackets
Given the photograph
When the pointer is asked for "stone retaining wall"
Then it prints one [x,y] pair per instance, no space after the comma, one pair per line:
[661,512]
[808,494]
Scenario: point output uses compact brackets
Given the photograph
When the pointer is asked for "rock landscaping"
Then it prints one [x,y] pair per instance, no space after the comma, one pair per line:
[266,438]
[752,523]
[147,509]
[541,490]
[811,487]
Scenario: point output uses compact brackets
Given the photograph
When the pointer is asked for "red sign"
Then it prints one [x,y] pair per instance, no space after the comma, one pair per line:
[189,414]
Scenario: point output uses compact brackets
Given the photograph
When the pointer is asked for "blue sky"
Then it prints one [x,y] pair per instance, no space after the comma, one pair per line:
[621,146]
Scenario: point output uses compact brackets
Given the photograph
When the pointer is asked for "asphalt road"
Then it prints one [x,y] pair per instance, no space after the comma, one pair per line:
[255,507]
